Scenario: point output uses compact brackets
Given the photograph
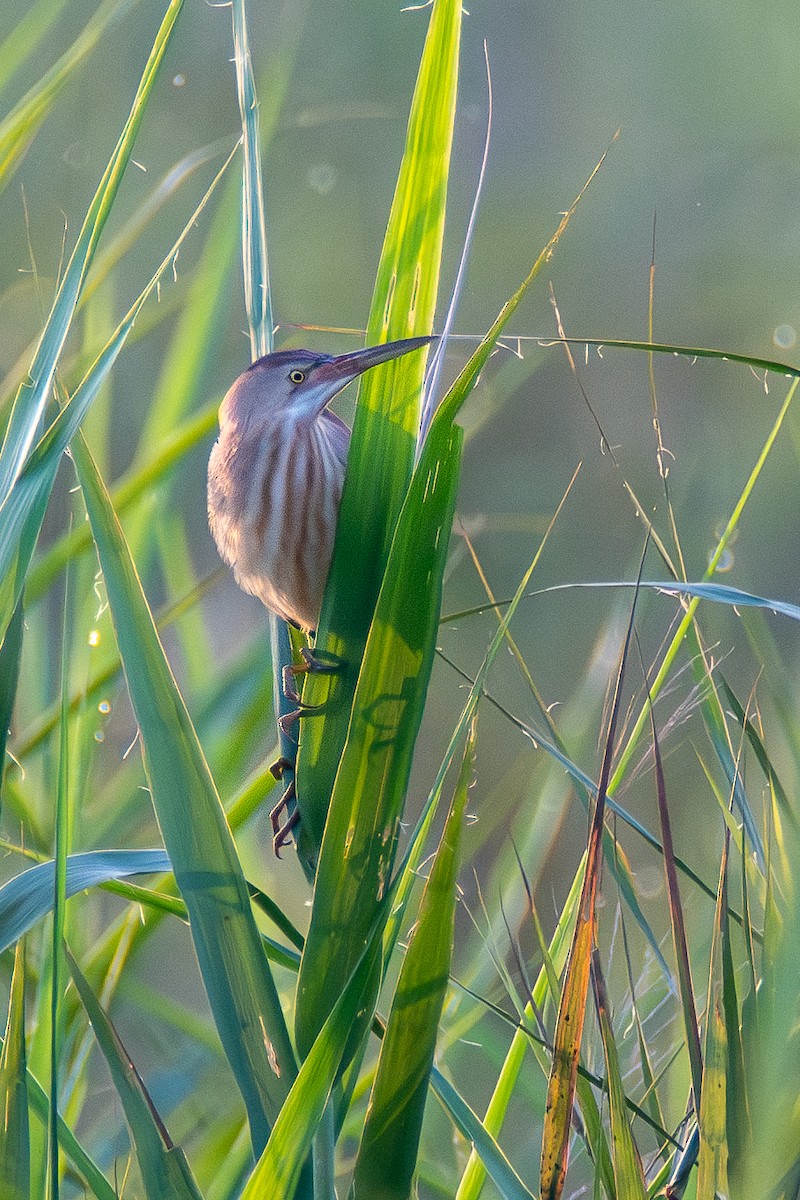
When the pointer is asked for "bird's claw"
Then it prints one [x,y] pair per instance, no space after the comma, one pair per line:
[282,831]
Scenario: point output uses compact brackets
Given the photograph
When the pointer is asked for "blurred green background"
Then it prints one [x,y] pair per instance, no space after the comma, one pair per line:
[707,101]
[706,98]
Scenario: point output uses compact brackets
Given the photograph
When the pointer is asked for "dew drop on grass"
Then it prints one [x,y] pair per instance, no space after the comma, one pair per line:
[725,563]
[104,707]
[178,80]
[94,637]
[784,337]
[99,736]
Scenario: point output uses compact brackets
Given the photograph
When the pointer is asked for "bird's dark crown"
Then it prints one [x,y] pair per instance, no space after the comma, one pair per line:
[289,358]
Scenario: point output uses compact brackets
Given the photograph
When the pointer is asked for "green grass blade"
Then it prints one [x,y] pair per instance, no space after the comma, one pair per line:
[28,897]
[387,412]
[14,1131]
[165,1171]
[373,773]
[10,652]
[712,1162]
[628,1172]
[62,823]
[626,754]
[235,972]
[389,1143]
[26,36]
[258,299]
[678,926]
[126,491]
[493,1162]
[279,1169]
[30,401]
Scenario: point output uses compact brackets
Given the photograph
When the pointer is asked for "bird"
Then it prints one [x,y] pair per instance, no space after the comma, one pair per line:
[276,473]
[275,479]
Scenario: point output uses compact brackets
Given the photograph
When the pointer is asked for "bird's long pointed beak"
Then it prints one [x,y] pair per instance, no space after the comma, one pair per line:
[348,366]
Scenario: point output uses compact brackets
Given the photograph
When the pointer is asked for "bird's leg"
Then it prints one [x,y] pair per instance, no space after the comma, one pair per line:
[282,830]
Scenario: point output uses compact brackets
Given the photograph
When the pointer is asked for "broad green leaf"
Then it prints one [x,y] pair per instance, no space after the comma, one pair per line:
[387,411]
[31,399]
[165,1171]
[628,1171]
[361,833]
[236,975]
[14,1132]
[389,1143]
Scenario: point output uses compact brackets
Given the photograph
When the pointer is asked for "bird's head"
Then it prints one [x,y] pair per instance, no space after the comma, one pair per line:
[301,383]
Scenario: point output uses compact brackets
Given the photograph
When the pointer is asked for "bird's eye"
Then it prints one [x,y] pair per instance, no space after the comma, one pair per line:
[297,376]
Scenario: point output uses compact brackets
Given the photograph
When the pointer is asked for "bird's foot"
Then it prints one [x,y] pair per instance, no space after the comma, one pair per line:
[286,721]
[283,822]
[315,662]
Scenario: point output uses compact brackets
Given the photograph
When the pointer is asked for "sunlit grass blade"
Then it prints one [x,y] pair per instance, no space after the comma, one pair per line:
[14,1132]
[164,1169]
[31,399]
[387,411]
[360,836]
[719,593]
[20,126]
[628,1172]
[388,1151]
[22,513]
[712,1162]
[235,972]
[770,365]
